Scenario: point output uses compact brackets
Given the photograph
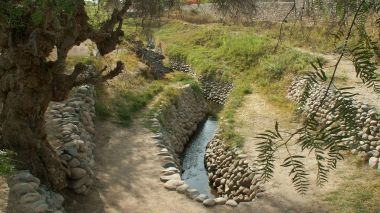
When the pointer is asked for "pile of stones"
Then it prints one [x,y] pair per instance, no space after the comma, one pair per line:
[364,141]
[181,66]
[71,131]
[231,175]
[214,90]
[27,195]
[153,58]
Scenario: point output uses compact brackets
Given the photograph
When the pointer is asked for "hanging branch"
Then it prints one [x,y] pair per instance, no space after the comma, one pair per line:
[323,140]
[282,25]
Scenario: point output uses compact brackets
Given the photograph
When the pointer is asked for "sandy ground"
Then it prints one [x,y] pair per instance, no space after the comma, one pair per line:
[127,171]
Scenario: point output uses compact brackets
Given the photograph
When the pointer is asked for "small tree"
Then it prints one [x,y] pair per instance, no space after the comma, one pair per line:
[29,31]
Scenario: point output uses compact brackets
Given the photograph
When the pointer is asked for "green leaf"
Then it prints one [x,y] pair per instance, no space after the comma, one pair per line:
[37,17]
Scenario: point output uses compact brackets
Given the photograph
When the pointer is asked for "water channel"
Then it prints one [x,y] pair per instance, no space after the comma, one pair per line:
[194,171]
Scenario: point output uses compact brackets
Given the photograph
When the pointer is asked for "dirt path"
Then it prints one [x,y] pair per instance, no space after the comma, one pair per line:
[127,170]
[255,116]
[346,77]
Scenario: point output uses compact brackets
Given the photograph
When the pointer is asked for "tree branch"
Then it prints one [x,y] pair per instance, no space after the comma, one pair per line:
[71,35]
[107,38]
[282,25]
[96,77]
[342,54]
[81,75]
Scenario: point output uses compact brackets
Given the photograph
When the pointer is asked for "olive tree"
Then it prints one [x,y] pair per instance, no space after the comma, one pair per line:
[29,31]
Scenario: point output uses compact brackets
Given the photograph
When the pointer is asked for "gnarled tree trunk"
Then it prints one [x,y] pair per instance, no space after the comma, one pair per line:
[23,127]
[28,82]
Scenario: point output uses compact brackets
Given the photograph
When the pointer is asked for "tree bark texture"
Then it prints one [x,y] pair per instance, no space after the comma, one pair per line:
[23,126]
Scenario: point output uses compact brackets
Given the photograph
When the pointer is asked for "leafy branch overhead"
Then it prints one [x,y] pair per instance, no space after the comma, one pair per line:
[34,28]
[330,122]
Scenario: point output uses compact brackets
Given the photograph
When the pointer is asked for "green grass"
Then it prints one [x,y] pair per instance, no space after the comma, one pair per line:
[167,98]
[318,38]
[88,60]
[125,103]
[359,193]
[213,50]
[128,103]
[170,95]
[7,166]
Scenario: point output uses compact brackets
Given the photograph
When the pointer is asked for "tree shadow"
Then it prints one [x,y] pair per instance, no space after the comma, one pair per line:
[116,164]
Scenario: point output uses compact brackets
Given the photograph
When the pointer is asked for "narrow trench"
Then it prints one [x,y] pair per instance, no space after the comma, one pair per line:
[193,166]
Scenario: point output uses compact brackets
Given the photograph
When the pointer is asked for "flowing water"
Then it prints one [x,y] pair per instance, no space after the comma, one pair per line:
[194,171]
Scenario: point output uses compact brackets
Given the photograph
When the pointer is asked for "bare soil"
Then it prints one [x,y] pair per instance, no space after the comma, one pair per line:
[255,116]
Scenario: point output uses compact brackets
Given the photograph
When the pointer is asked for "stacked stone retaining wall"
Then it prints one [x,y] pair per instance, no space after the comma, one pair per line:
[364,141]
[213,90]
[175,124]
[230,174]
[27,195]
[71,131]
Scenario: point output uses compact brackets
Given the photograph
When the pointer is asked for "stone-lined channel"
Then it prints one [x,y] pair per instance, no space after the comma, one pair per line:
[193,164]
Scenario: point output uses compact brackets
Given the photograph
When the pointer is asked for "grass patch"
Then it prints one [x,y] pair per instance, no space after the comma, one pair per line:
[227,115]
[183,78]
[214,50]
[169,97]
[88,60]
[359,193]
[317,38]
[126,103]
[7,166]
[275,72]
[127,97]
